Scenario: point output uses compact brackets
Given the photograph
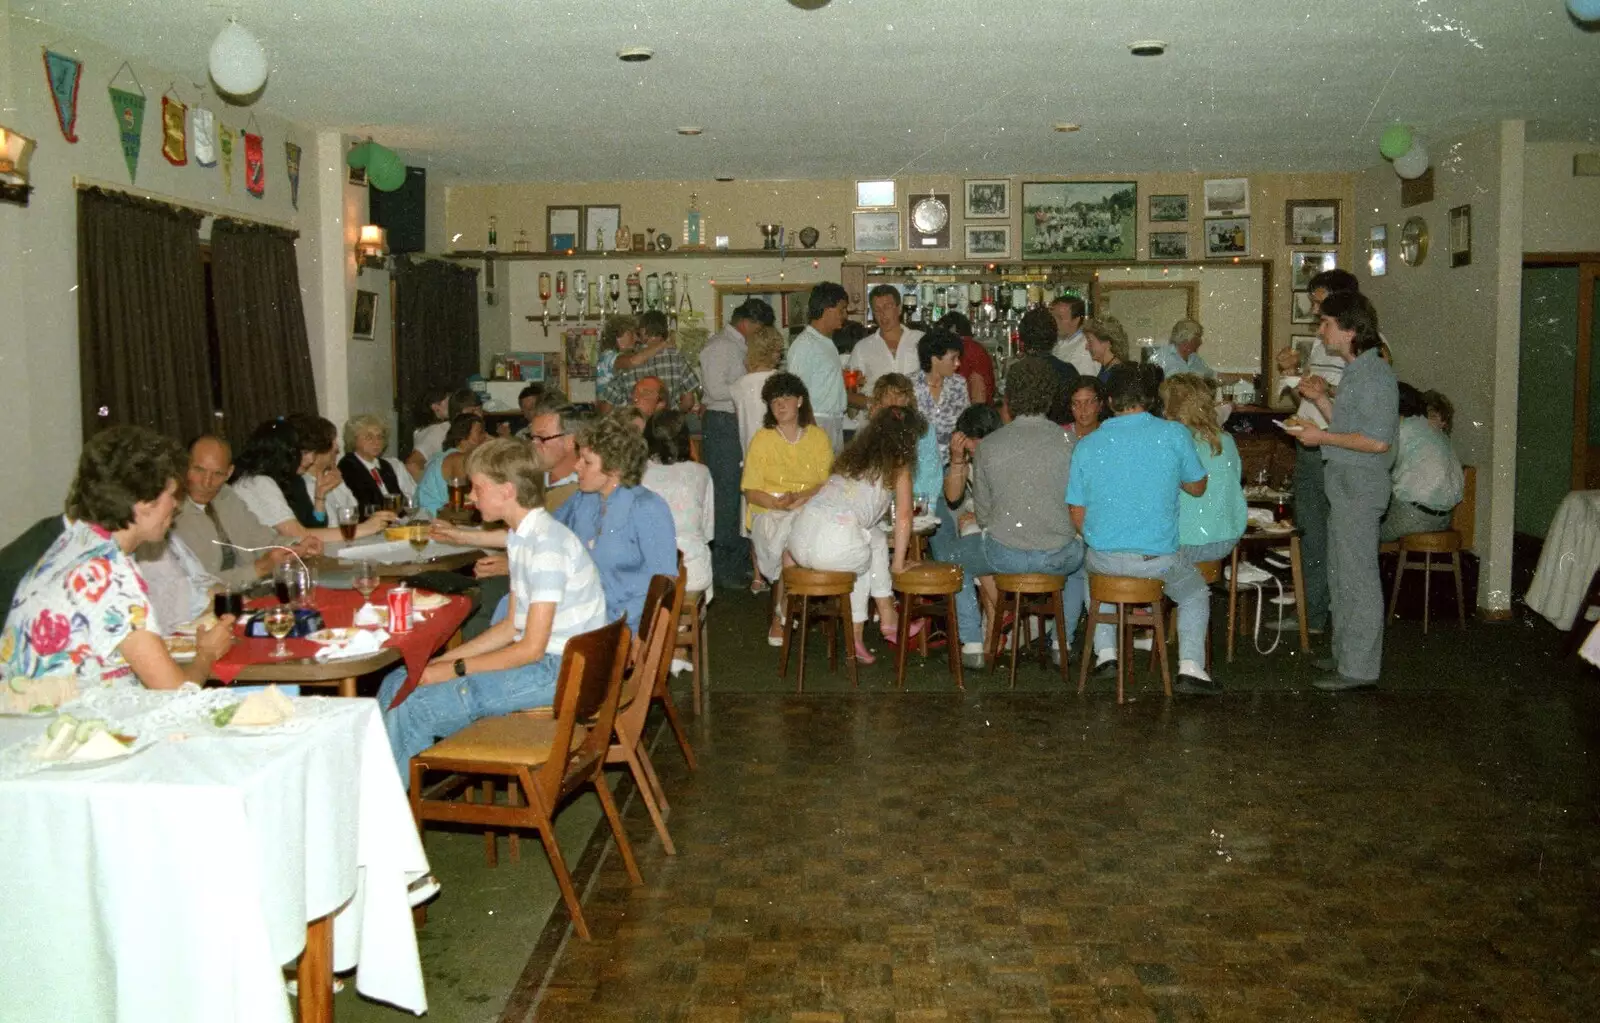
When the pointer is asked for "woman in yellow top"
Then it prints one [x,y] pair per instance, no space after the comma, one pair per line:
[787,463]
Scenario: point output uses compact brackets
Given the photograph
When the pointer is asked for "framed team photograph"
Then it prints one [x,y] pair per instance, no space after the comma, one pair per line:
[1311,221]
[1169,244]
[1228,197]
[1169,209]
[989,199]
[1079,219]
[988,241]
[877,232]
[1226,237]
[1305,265]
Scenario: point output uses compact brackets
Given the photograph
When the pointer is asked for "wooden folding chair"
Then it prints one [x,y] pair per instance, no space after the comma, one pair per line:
[549,759]
[628,747]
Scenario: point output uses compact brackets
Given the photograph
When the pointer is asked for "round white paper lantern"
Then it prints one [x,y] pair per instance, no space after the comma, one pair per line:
[1414,163]
[238,62]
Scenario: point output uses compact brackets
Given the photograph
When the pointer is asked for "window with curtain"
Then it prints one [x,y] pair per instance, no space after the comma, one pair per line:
[436,335]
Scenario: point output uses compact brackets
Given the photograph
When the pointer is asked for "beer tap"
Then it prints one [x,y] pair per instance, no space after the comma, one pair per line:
[561,293]
[580,291]
[544,298]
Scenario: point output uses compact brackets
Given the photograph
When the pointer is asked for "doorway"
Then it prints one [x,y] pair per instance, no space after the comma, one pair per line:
[1558,387]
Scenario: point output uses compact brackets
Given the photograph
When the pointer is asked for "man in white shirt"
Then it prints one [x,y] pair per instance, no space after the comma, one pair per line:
[1182,354]
[1072,347]
[892,348]
[1427,476]
[721,365]
[813,358]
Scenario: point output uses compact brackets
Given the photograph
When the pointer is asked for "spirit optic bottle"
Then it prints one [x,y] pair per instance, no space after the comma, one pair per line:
[494,236]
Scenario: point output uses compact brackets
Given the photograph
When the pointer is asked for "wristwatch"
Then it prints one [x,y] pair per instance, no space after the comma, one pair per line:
[461,667]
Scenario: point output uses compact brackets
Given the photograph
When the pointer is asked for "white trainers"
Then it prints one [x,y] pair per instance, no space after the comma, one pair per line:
[679,666]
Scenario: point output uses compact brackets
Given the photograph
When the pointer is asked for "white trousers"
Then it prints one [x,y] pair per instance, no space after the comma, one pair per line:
[769,535]
[818,543]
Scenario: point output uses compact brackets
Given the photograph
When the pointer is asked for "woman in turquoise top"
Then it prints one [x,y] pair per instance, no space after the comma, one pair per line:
[1208,525]
[433,490]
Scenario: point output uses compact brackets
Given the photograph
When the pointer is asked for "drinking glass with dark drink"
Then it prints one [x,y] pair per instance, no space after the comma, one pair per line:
[348,523]
[227,602]
[458,493]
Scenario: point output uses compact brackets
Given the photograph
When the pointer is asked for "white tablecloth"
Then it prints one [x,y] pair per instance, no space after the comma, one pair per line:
[174,884]
[1568,560]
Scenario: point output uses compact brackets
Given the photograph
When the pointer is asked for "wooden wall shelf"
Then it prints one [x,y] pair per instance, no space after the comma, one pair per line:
[651,254]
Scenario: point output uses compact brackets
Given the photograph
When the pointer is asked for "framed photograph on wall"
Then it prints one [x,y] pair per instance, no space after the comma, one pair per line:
[1311,221]
[1169,244]
[562,225]
[600,224]
[1079,219]
[1305,265]
[1302,345]
[1378,250]
[877,232]
[366,315]
[875,195]
[1229,236]
[1461,235]
[988,241]
[1228,197]
[1169,209]
[1301,312]
[988,199]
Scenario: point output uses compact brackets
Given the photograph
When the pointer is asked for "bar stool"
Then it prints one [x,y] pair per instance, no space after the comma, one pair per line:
[1211,572]
[929,591]
[805,585]
[1046,588]
[1146,596]
[1442,542]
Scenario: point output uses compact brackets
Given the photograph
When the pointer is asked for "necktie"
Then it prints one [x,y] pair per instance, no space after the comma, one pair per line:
[378,480]
[229,555]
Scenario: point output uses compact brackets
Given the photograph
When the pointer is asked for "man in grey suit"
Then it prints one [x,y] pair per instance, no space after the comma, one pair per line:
[213,512]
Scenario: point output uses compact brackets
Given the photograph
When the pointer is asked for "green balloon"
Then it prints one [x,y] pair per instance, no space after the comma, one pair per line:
[1395,142]
[389,175]
[379,159]
[359,156]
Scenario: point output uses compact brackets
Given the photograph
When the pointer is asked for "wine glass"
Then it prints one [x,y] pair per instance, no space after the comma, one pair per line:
[347,523]
[279,622]
[418,537]
[366,581]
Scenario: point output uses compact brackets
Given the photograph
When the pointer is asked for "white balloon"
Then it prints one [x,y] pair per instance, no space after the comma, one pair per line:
[238,62]
[1413,163]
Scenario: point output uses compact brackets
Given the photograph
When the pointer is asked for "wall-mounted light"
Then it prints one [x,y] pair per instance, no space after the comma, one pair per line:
[372,248]
[15,150]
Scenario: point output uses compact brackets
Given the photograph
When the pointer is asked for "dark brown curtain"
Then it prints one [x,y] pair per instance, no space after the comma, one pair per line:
[142,349]
[263,349]
[436,335]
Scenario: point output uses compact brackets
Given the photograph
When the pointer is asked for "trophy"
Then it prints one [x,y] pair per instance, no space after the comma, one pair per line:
[635,294]
[544,297]
[580,291]
[624,239]
[614,292]
[561,293]
[770,233]
[669,298]
[652,291]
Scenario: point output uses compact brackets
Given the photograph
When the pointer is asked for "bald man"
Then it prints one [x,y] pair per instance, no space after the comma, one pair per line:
[213,512]
[649,395]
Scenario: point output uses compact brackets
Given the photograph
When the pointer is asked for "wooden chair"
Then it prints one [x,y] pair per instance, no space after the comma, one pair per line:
[803,585]
[662,692]
[655,648]
[692,637]
[1443,542]
[1044,591]
[1211,572]
[1145,596]
[929,591]
[549,759]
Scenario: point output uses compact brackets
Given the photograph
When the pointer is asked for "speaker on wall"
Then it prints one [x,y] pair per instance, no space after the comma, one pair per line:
[403,212]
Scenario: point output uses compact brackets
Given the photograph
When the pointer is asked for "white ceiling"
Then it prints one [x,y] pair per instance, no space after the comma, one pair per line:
[504,90]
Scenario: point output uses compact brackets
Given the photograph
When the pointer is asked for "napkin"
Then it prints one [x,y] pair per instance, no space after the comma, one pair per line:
[364,642]
[370,614]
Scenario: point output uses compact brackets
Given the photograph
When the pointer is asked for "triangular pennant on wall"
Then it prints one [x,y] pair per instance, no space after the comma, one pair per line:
[63,72]
[255,166]
[291,153]
[225,138]
[174,131]
[204,126]
[129,110]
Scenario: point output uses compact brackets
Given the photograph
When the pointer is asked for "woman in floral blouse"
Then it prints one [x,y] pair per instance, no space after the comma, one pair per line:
[84,610]
[941,390]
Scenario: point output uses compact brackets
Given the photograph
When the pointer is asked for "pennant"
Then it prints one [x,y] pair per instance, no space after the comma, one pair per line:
[129,110]
[255,166]
[62,72]
[204,126]
[225,136]
[292,153]
[174,131]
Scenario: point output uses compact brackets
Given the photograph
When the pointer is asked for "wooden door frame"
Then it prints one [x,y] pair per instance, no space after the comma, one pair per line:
[1588,266]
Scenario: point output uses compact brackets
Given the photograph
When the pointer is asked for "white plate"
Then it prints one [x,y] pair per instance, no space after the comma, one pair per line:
[327,636]
[1283,425]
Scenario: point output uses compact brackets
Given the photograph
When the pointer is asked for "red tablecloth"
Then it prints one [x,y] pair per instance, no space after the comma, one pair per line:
[338,609]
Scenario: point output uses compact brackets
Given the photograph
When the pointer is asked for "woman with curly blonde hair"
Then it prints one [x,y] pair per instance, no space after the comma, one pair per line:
[1208,525]
[627,529]
[1107,342]
[617,337]
[837,530]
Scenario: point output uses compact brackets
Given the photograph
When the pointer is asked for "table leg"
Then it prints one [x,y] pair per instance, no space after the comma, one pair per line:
[1299,592]
[316,972]
[1233,595]
[347,688]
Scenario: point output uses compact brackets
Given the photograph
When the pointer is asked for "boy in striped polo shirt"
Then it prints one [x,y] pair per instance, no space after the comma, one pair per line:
[555,595]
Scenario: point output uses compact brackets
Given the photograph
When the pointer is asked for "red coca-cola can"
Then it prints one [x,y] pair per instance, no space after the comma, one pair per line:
[400,609]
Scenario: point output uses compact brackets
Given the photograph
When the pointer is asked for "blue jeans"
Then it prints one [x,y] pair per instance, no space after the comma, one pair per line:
[1064,561]
[444,708]
[1183,587]
[730,552]
[1216,550]
[949,546]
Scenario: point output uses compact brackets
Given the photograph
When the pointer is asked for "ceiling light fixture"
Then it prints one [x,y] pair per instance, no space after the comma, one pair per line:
[635,54]
[1065,126]
[691,130]
[1147,47]
[724,177]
